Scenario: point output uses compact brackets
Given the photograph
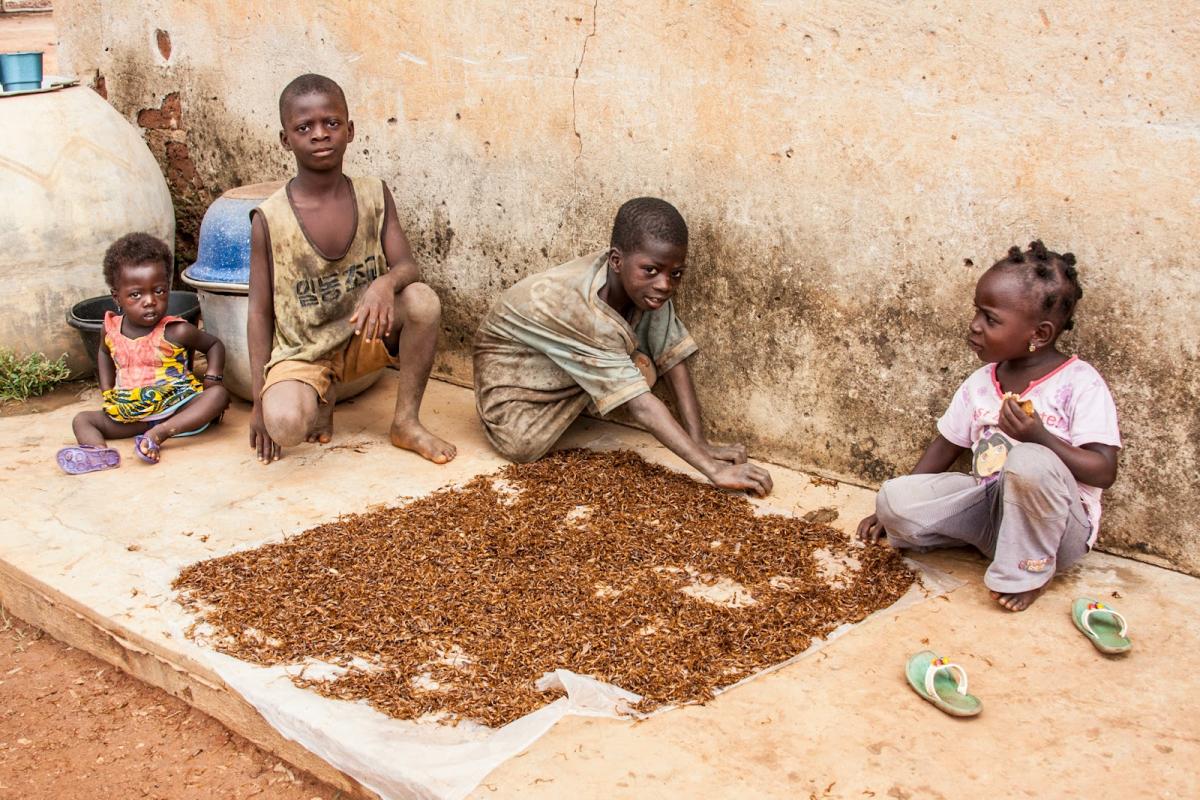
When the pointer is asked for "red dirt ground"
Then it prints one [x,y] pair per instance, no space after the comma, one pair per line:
[75,728]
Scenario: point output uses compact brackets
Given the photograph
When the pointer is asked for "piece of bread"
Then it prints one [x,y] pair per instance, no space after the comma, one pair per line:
[1026,405]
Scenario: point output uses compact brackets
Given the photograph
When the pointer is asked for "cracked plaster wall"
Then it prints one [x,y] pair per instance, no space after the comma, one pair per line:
[847,169]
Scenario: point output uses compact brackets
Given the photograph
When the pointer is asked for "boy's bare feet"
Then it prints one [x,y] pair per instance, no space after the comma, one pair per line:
[322,429]
[414,436]
[1018,601]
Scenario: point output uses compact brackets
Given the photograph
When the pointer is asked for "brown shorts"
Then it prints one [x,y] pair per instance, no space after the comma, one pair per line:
[357,359]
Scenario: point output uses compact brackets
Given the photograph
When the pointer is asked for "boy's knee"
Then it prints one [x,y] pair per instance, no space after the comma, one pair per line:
[523,455]
[420,304]
[519,452]
[287,426]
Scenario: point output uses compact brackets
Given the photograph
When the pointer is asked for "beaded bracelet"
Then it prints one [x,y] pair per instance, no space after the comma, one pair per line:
[214,378]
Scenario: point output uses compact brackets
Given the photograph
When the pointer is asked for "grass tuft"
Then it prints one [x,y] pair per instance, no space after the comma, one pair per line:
[29,376]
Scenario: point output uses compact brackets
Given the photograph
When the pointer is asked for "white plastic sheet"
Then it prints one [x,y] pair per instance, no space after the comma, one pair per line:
[405,759]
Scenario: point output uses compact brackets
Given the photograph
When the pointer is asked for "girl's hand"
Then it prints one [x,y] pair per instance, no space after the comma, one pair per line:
[1019,425]
[373,316]
[870,529]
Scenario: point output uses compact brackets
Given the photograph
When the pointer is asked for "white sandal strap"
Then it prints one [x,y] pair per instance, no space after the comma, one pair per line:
[957,673]
[1100,608]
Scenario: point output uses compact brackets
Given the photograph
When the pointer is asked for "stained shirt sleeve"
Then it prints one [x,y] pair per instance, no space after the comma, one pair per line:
[662,336]
[609,376]
[556,316]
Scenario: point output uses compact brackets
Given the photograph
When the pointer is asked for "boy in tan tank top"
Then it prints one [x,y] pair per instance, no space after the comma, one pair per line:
[334,293]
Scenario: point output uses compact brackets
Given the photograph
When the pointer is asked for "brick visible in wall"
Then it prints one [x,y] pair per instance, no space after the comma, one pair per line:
[165,117]
[181,170]
[166,135]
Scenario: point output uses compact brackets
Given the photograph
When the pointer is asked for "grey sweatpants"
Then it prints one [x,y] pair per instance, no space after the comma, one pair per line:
[1029,521]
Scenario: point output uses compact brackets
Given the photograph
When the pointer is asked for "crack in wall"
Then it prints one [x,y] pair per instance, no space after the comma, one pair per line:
[575,83]
[575,124]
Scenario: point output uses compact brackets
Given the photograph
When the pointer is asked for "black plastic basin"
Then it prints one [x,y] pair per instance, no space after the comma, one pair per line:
[87,317]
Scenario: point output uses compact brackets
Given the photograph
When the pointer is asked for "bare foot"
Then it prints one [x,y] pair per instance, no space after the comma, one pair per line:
[147,445]
[1018,601]
[322,430]
[413,436]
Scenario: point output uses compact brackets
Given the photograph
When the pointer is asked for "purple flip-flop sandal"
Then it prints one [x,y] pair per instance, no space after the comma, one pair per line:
[86,458]
[146,448]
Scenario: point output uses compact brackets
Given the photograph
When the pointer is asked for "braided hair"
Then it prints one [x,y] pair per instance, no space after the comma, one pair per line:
[1050,273]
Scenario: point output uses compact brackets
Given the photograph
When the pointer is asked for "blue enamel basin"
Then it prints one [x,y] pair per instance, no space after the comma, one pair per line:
[224,254]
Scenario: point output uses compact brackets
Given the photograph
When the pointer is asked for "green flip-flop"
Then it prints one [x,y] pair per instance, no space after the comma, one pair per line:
[1105,628]
[942,683]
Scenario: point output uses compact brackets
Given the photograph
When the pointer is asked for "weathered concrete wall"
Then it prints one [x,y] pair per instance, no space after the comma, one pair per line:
[847,169]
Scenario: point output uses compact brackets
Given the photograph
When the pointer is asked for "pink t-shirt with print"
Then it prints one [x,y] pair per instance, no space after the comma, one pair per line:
[1073,402]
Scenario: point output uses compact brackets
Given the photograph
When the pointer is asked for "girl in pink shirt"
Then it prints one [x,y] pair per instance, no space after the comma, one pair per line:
[1032,500]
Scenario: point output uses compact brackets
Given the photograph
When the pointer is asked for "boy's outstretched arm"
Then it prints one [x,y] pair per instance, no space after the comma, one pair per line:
[940,454]
[260,327]
[679,378]
[654,416]
[374,315]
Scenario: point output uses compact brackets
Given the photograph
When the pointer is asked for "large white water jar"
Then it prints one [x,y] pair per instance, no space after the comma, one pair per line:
[74,177]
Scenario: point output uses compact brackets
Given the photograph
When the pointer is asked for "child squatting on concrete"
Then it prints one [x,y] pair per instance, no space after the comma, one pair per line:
[1042,430]
[148,389]
[334,294]
[598,331]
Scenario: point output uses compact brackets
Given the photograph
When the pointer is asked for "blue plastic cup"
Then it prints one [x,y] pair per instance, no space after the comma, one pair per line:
[21,71]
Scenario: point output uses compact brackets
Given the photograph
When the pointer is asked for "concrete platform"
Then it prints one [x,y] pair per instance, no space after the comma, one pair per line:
[90,560]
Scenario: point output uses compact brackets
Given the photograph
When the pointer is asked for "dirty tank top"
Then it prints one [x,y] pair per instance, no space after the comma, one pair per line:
[314,295]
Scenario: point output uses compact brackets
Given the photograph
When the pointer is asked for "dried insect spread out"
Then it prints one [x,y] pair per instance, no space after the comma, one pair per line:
[601,563]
